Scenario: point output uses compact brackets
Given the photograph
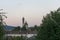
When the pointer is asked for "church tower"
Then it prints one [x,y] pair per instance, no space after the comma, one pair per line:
[23,21]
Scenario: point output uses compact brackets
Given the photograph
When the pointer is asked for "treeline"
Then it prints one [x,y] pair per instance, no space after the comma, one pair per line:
[48,30]
[19,28]
[50,27]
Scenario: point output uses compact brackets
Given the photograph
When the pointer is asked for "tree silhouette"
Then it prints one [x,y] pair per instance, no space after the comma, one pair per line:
[35,27]
[50,27]
[2,25]
[18,28]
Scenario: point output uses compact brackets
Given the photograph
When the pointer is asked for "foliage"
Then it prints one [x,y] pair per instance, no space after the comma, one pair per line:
[1,32]
[1,26]
[50,27]
[36,27]
[24,28]
[19,38]
[17,28]
[15,38]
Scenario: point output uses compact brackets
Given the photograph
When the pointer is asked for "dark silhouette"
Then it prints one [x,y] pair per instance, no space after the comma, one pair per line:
[50,27]
[2,25]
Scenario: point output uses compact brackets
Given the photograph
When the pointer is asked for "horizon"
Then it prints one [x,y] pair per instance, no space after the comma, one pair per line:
[32,10]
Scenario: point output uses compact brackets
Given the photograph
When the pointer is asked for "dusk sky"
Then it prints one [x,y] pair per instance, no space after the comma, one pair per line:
[32,10]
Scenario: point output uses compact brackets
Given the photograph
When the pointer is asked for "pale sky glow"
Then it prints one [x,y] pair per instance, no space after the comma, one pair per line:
[32,10]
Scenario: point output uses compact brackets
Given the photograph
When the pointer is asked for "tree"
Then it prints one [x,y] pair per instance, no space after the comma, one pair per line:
[2,25]
[18,28]
[24,28]
[19,38]
[15,38]
[50,27]
[36,27]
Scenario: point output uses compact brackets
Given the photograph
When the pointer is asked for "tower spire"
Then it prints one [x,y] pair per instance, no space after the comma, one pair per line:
[23,20]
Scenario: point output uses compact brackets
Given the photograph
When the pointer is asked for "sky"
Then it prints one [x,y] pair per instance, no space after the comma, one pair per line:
[32,10]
